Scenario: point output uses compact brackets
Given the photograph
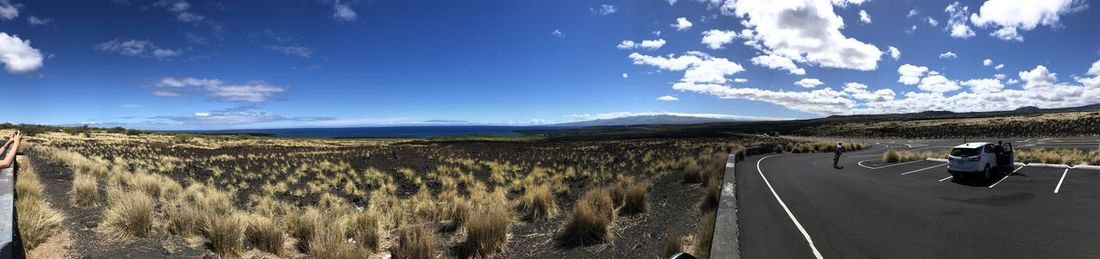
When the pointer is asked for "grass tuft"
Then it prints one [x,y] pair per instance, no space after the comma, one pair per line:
[224,233]
[537,203]
[487,230]
[128,215]
[591,220]
[415,242]
[265,234]
[365,229]
[634,199]
[84,193]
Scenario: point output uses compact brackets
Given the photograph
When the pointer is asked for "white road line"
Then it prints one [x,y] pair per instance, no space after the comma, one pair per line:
[945,179]
[1056,188]
[922,169]
[1006,176]
[885,166]
[784,205]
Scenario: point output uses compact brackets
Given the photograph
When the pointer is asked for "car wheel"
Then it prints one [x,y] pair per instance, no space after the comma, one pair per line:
[987,172]
[956,176]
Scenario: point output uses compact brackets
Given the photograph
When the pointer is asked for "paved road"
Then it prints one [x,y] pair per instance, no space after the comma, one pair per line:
[913,210]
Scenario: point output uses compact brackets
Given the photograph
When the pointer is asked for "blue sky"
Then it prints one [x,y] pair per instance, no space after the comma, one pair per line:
[301,63]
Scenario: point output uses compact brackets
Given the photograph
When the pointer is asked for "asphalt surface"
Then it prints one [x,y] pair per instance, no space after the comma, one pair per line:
[915,210]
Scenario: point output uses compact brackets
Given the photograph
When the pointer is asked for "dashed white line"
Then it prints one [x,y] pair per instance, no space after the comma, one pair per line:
[784,205]
[1006,176]
[922,169]
[1056,188]
[945,178]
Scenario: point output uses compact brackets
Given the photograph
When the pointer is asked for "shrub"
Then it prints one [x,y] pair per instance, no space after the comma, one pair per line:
[693,172]
[487,230]
[304,226]
[416,241]
[365,229]
[706,233]
[128,215]
[84,193]
[265,234]
[891,156]
[224,233]
[714,190]
[673,244]
[634,199]
[591,219]
[537,203]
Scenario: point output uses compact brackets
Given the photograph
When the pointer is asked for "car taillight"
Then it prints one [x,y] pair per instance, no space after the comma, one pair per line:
[974,158]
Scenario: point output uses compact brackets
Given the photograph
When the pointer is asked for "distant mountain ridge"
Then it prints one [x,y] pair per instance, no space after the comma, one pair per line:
[662,119]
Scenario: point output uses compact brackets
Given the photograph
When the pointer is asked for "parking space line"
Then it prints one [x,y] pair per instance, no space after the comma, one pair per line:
[1056,188]
[885,166]
[784,205]
[945,178]
[1007,175]
[922,169]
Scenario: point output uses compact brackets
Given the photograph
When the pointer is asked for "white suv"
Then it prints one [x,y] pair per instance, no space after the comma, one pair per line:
[979,158]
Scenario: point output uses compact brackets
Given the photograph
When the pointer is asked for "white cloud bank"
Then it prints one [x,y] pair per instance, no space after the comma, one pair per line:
[668,98]
[805,31]
[138,48]
[251,92]
[1010,17]
[645,44]
[17,55]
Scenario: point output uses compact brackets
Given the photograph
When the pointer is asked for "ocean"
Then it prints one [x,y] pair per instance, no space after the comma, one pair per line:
[385,132]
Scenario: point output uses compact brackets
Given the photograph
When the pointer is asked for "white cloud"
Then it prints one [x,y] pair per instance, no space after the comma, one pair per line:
[253,92]
[859,91]
[34,20]
[17,55]
[715,39]
[8,10]
[613,115]
[845,3]
[895,53]
[625,76]
[808,82]
[1038,77]
[697,68]
[645,44]
[557,34]
[1012,16]
[682,23]
[605,9]
[778,62]
[668,98]
[999,66]
[236,116]
[343,12]
[957,23]
[293,50]
[740,80]
[910,74]
[1095,68]
[937,83]
[912,12]
[987,62]
[933,22]
[803,31]
[948,55]
[820,101]
[137,48]
[864,17]
[182,10]
[985,85]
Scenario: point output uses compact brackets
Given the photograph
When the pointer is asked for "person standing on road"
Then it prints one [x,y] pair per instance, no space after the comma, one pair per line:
[836,159]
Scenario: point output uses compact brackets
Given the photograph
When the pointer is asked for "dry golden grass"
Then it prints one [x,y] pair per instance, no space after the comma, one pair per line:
[894,156]
[537,203]
[304,226]
[714,189]
[592,219]
[85,193]
[693,172]
[706,232]
[37,220]
[265,234]
[487,230]
[366,230]
[635,199]
[224,233]
[673,244]
[1058,156]
[415,242]
[129,215]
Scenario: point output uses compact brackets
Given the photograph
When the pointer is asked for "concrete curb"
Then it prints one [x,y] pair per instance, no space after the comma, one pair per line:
[1086,167]
[725,243]
[1059,166]
[936,160]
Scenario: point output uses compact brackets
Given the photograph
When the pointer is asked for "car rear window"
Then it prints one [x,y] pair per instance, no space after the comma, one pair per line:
[964,152]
